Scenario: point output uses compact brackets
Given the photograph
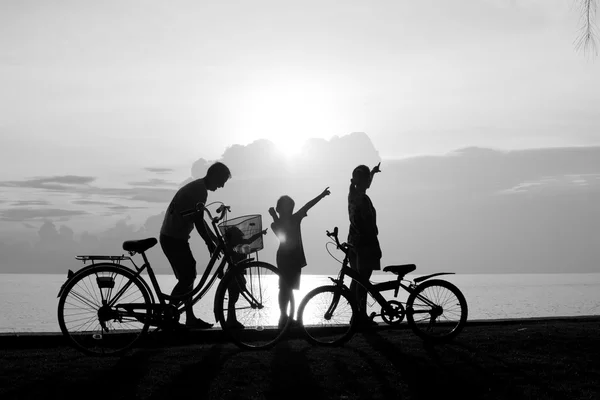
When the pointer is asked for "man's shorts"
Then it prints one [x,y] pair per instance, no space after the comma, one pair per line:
[180,257]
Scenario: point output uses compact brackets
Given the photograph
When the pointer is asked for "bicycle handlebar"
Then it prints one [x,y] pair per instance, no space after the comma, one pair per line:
[343,246]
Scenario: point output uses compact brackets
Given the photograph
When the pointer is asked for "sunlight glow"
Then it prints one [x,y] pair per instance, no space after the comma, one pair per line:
[288,113]
[281,237]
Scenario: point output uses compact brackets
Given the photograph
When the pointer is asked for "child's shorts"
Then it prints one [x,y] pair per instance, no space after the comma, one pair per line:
[289,278]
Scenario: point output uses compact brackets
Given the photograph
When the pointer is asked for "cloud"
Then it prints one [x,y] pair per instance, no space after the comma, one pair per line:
[80,185]
[160,171]
[150,195]
[479,171]
[261,159]
[21,203]
[52,183]
[92,203]
[28,214]
[153,182]
[126,208]
[560,183]
[443,212]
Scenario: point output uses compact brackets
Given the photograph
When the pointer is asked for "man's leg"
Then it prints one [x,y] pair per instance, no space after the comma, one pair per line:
[182,261]
[182,287]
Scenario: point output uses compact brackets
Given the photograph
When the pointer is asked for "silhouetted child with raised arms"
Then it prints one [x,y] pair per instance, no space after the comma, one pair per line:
[290,255]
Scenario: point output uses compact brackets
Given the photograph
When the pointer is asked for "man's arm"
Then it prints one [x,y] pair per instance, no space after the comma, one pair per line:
[204,231]
[314,201]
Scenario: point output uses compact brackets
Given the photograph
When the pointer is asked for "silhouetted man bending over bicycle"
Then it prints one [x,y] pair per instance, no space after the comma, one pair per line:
[175,233]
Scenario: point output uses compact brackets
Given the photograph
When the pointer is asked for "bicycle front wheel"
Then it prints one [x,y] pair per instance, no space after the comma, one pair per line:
[326,315]
[436,311]
[104,310]
[247,305]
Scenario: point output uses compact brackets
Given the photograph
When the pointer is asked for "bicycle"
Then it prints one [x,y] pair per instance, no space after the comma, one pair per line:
[106,307]
[436,310]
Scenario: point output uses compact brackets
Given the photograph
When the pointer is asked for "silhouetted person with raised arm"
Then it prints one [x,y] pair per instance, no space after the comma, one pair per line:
[365,256]
[290,255]
[176,229]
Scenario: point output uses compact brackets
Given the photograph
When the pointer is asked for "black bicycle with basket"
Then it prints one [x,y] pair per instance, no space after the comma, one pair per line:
[106,307]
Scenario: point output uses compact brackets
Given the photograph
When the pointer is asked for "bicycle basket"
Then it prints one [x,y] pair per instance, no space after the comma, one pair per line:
[241,231]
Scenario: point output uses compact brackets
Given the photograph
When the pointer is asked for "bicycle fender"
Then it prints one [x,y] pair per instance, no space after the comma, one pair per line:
[425,277]
[87,267]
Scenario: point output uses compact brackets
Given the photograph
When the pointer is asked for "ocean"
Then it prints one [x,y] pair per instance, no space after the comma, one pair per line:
[29,301]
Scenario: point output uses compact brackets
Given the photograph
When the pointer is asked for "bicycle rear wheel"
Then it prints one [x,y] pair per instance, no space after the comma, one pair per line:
[326,314]
[247,305]
[436,311]
[104,310]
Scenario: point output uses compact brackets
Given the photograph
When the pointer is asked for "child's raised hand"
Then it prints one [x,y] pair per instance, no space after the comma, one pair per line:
[273,213]
[376,169]
[326,192]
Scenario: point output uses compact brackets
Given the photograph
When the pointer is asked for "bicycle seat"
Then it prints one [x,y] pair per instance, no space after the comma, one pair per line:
[400,269]
[139,246]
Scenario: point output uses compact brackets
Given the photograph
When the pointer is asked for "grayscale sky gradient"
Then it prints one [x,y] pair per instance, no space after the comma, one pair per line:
[107,107]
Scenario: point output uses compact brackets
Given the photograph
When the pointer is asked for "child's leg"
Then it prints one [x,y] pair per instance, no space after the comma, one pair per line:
[234,295]
[234,290]
[284,296]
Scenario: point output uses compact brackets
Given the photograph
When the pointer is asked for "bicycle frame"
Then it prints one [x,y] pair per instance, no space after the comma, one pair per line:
[194,295]
[375,289]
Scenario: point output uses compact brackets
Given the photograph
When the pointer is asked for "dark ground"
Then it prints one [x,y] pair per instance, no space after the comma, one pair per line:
[539,359]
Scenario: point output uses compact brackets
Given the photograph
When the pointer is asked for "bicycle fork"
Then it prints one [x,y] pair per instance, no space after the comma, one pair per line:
[336,298]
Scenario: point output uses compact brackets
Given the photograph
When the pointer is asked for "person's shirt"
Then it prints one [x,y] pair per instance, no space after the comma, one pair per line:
[186,198]
[363,221]
[291,250]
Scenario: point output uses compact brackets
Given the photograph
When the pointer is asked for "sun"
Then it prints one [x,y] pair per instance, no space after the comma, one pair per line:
[288,113]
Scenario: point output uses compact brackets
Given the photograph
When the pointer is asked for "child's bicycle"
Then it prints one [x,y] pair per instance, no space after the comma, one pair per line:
[435,309]
[106,307]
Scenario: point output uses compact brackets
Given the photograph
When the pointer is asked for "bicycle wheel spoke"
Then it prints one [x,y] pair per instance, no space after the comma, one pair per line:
[84,300]
[89,290]
[247,305]
[438,310]
[327,316]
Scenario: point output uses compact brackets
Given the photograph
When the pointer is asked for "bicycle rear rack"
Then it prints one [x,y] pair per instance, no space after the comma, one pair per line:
[116,259]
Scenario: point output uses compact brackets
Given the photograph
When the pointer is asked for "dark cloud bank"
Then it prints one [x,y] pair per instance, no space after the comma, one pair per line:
[474,210]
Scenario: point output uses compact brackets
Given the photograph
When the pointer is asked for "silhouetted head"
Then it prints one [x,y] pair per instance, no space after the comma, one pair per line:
[234,236]
[216,176]
[285,206]
[361,178]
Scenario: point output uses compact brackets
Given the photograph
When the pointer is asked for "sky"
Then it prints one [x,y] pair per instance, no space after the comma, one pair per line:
[107,107]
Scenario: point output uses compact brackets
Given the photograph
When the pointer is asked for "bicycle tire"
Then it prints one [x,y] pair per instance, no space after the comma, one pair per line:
[80,308]
[452,316]
[251,321]
[323,330]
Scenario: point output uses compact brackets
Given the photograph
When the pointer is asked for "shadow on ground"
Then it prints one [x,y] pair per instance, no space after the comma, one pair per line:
[506,362]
